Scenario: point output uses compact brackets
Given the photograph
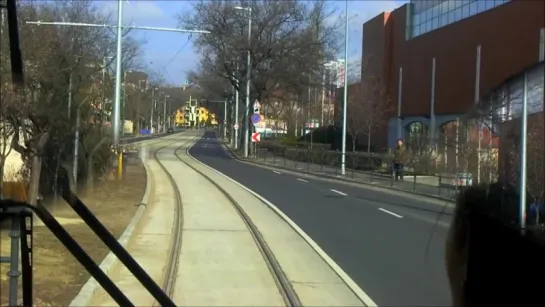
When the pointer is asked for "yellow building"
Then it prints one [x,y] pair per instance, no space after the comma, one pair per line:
[213,120]
[179,118]
[203,115]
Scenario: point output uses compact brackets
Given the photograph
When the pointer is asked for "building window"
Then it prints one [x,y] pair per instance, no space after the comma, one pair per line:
[431,15]
[481,6]
[435,23]
[416,134]
[465,11]
[489,4]
[473,8]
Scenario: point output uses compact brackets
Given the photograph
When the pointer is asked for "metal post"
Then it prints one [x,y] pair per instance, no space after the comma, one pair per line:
[477,97]
[432,106]
[103,103]
[225,119]
[248,76]
[117,103]
[152,107]
[236,111]
[76,147]
[399,95]
[323,100]
[523,141]
[165,114]
[343,149]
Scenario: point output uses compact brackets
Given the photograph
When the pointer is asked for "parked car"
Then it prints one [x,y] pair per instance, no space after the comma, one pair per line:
[170,130]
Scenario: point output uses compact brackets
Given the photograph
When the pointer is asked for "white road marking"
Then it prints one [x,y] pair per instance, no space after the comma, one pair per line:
[303,180]
[391,213]
[338,192]
[277,172]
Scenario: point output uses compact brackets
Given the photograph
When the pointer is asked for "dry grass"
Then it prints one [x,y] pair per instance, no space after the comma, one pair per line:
[58,277]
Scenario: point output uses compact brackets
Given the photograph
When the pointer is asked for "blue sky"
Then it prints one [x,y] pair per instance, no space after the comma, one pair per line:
[161,47]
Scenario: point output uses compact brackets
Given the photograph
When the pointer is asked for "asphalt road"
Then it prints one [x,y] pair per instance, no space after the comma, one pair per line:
[392,246]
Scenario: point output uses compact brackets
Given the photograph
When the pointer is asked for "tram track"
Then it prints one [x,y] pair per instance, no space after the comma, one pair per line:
[284,286]
[171,269]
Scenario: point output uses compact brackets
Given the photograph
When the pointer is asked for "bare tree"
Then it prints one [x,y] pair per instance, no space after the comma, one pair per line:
[59,62]
[287,38]
[369,106]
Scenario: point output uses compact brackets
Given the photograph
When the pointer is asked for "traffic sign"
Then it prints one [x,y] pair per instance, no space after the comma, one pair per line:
[255,118]
[256,137]
[257,105]
[235,126]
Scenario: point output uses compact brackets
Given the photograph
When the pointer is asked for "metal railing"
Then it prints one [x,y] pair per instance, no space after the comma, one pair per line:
[22,230]
[370,168]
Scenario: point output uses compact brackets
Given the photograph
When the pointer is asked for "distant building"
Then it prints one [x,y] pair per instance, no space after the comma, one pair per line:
[437,58]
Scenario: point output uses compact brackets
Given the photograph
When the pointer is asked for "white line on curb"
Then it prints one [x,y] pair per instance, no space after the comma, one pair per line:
[391,213]
[89,288]
[338,192]
[334,266]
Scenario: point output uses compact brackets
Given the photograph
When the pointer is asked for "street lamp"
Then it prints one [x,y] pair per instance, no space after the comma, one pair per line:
[248,69]
[117,107]
[343,149]
[152,107]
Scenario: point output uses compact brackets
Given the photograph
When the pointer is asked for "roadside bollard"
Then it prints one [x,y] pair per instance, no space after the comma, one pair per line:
[296,155]
[308,159]
[353,165]
[439,186]
[414,181]
[393,174]
[371,167]
[285,155]
[274,157]
[265,151]
[321,160]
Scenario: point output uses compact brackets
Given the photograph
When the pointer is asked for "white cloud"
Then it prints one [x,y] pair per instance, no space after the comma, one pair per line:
[133,11]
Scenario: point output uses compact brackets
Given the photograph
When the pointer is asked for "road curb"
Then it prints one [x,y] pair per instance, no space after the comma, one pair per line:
[336,178]
[90,287]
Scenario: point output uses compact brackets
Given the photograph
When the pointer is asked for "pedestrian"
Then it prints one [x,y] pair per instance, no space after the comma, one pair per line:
[399,157]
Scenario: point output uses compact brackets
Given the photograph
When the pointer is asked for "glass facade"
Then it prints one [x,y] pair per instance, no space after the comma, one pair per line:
[428,15]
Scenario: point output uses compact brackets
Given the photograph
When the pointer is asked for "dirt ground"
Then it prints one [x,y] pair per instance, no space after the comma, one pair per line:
[58,277]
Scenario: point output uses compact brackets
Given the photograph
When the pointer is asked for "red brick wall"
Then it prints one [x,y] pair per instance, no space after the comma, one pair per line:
[509,38]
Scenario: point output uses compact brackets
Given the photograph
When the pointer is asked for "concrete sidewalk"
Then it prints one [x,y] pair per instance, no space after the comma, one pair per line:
[220,265]
[410,184]
[150,243]
[233,273]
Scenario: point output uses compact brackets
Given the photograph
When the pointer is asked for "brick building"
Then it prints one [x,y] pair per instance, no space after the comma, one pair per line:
[437,58]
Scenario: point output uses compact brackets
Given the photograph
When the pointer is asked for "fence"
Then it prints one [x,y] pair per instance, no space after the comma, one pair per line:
[373,168]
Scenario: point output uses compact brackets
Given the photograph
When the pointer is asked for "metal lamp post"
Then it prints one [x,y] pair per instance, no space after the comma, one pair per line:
[345,98]
[248,75]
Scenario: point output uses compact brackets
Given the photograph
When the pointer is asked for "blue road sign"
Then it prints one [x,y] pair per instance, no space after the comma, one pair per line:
[256,118]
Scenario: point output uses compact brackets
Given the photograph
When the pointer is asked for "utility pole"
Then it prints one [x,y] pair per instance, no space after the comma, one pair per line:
[225,119]
[248,79]
[152,107]
[165,114]
[345,98]
[236,110]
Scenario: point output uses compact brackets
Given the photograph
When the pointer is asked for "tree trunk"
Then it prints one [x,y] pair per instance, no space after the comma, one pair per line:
[36,169]
[2,164]
[34,187]
[353,144]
